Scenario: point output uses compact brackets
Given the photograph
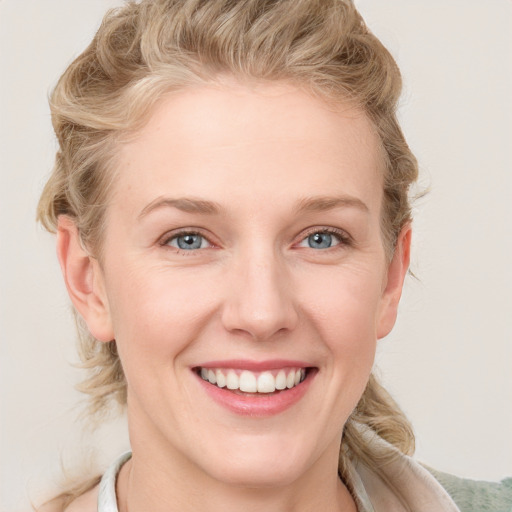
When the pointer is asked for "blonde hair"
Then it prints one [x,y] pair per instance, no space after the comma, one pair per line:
[145,50]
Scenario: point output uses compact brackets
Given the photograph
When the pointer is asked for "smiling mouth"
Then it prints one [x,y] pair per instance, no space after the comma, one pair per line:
[245,381]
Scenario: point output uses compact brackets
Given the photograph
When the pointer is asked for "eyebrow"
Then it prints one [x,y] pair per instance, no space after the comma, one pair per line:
[185,204]
[305,205]
[325,203]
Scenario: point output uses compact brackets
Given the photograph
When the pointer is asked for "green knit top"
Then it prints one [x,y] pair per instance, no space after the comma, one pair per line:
[477,495]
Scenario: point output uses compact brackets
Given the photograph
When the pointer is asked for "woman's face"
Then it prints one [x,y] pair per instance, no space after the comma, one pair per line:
[243,245]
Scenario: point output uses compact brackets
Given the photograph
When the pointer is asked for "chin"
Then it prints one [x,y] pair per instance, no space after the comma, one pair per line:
[262,464]
[258,474]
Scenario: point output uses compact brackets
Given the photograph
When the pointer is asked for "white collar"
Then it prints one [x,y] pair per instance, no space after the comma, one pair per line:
[107,500]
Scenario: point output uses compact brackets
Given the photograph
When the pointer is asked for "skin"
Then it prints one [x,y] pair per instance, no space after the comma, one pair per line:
[255,290]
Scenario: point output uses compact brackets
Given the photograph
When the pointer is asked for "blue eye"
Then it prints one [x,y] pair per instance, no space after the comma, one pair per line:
[321,240]
[188,241]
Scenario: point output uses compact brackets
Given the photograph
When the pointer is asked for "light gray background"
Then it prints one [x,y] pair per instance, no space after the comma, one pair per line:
[448,361]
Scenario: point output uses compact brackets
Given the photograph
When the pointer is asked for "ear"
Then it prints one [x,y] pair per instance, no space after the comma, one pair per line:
[396,273]
[84,280]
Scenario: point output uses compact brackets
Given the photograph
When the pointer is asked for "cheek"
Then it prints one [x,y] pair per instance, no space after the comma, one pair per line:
[346,306]
[345,316]
[157,313]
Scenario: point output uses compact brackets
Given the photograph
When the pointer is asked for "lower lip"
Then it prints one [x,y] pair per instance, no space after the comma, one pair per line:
[258,404]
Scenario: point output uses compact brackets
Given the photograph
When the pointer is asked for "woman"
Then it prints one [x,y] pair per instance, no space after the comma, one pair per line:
[230,202]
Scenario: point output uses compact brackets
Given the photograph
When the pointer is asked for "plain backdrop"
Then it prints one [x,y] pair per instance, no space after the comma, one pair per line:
[448,361]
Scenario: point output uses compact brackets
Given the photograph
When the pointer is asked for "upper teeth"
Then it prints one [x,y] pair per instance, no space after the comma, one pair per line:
[251,382]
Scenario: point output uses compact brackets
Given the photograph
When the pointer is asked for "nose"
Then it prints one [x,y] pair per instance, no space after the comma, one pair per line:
[260,299]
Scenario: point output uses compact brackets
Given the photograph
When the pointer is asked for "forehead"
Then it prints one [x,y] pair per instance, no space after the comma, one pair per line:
[238,141]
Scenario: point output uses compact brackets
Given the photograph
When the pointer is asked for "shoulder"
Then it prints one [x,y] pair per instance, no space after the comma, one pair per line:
[476,495]
[87,502]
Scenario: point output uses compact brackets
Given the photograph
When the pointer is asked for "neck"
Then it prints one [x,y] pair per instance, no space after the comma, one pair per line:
[162,481]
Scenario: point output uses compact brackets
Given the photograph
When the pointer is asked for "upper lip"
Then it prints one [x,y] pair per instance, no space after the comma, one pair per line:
[255,366]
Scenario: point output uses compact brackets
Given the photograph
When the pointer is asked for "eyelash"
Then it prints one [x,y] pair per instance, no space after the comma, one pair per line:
[344,239]
[168,237]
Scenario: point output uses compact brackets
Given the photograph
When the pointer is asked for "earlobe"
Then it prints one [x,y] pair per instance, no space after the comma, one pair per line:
[84,280]
[397,270]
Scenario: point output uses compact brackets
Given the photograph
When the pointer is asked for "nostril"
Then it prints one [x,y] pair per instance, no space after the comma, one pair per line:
[257,324]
